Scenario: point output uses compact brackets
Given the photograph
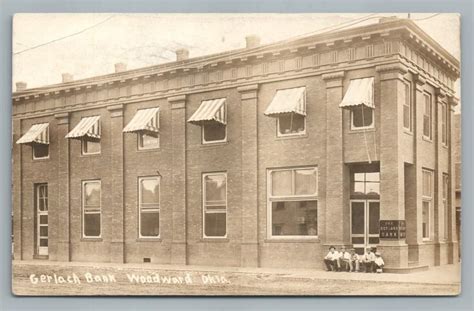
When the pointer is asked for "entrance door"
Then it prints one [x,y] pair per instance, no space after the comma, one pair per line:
[42,219]
[365,217]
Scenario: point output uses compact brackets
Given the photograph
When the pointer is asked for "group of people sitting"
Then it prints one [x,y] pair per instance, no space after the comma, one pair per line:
[343,260]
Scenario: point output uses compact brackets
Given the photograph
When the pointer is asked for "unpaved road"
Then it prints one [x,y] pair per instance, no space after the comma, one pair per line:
[46,280]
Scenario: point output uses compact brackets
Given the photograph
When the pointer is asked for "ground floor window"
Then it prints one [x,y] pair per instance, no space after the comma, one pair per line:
[149,206]
[293,204]
[91,209]
[426,220]
[215,205]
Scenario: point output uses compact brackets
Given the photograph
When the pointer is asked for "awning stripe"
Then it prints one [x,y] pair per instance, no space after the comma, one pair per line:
[360,92]
[144,120]
[87,127]
[38,133]
[210,110]
[288,101]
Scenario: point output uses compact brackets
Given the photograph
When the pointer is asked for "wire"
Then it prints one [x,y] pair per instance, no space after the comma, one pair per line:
[68,36]
[424,18]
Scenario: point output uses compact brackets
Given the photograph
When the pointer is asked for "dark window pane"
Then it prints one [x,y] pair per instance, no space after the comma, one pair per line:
[426,219]
[40,151]
[149,140]
[362,116]
[150,224]
[91,146]
[44,231]
[358,217]
[358,240]
[92,225]
[150,191]
[295,218]
[374,240]
[406,117]
[214,132]
[374,217]
[215,224]
[43,242]
[291,123]
[44,219]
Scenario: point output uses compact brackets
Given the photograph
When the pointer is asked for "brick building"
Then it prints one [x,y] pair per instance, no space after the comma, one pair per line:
[262,156]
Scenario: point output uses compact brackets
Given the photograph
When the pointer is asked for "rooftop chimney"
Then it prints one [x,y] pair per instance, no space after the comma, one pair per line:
[67,77]
[20,86]
[252,41]
[120,67]
[182,54]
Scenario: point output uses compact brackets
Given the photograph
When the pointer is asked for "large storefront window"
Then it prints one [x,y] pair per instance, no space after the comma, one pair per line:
[149,207]
[293,205]
[215,205]
[91,209]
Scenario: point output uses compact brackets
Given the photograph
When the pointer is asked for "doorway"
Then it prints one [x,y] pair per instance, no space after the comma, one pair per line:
[365,217]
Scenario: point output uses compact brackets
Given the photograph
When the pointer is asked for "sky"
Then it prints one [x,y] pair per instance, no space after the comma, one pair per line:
[87,45]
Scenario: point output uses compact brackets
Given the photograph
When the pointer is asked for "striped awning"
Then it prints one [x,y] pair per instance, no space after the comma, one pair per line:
[287,101]
[210,111]
[87,127]
[144,120]
[360,92]
[38,133]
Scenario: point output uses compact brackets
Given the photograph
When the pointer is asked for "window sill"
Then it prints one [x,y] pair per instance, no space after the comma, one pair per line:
[429,140]
[83,239]
[212,240]
[407,132]
[445,146]
[90,155]
[361,130]
[148,150]
[295,136]
[216,144]
[153,239]
[292,240]
[41,159]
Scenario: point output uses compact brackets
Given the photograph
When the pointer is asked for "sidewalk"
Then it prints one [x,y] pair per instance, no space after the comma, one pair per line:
[443,275]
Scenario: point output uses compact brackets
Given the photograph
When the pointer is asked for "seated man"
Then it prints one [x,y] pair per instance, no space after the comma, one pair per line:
[332,260]
[378,263]
[345,260]
[368,260]
[355,260]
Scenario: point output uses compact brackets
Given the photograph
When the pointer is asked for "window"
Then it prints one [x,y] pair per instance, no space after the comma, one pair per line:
[90,146]
[427,123]
[427,195]
[41,193]
[91,209]
[40,151]
[293,205]
[215,205]
[291,124]
[445,204]
[149,207]
[148,140]
[407,108]
[365,184]
[362,117]
[214,132]
[444,124]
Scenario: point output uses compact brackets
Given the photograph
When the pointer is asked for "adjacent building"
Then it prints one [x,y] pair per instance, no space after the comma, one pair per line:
[262,157]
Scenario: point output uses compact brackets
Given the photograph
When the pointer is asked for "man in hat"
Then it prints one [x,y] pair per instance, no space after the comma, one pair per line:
[378,263]
[368,260]
[332,260]
[355,260]
[345,259]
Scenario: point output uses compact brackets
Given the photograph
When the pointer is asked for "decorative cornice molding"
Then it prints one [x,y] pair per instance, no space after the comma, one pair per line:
[333,75]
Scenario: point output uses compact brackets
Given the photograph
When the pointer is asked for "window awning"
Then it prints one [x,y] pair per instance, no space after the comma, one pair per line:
[87,127]
[144,120]
[38,133]
[360,92]
[287,101]
[210,111]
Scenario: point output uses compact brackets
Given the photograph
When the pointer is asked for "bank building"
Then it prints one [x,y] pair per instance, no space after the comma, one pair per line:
[257,157]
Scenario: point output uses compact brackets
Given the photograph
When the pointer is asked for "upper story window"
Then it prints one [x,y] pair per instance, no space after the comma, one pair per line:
[149,207]
[427,116]
[292,202]
[359,99]
[288,106]
[407,108]
[212,117]
[91,209]
[444,124]
[215,205]
[146,123]
[38,137]
[88,130]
